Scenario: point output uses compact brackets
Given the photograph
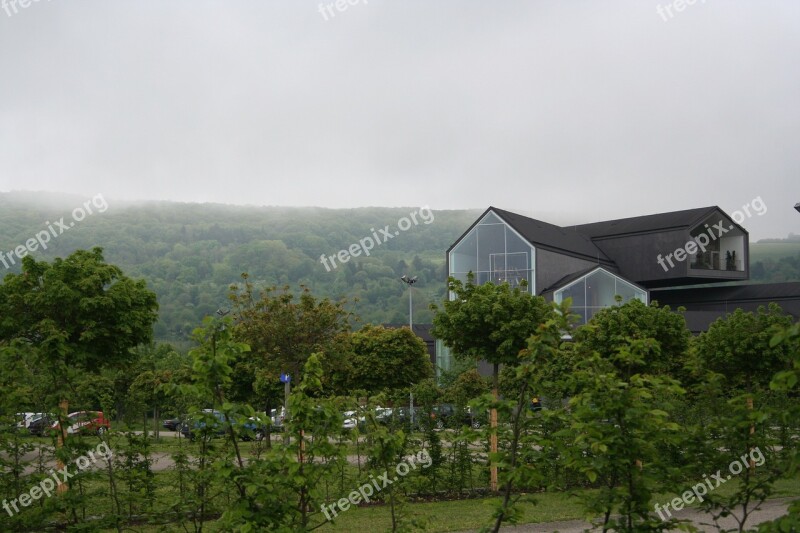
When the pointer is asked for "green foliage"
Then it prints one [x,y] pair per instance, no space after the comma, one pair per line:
[618,427]
[384,358]
[612,328]
[488,322]
[283,330]
[465,387]
[190,254]
[519,462]
[738,347]
[81,313]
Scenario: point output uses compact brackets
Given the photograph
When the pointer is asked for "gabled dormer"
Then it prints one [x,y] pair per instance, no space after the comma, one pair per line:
[678,248]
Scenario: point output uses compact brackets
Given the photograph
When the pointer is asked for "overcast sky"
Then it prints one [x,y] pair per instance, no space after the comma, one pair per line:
[568,111]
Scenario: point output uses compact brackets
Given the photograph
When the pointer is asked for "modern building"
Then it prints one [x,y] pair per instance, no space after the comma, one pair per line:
[675,258]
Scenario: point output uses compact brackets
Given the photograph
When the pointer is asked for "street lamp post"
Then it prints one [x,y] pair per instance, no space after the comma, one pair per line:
[797,206]
[409,281]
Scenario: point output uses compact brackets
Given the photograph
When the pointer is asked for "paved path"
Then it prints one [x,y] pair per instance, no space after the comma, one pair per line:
[770,510]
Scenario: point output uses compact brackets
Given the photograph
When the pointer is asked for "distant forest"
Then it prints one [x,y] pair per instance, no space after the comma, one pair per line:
[190,254]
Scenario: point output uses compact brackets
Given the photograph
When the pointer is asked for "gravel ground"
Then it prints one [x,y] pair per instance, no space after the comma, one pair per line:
[769,510]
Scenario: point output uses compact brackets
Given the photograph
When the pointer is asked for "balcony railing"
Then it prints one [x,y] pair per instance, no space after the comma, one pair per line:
[711,260]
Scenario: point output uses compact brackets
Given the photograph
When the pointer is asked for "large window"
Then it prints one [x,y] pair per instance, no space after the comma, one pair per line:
[597,290]
[495,253]
[714,251]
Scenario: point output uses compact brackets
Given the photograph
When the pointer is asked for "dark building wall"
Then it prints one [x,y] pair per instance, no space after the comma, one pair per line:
[706,304]
[636,256]
[552,266]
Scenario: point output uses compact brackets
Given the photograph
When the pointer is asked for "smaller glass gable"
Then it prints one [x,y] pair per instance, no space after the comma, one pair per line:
[597,290]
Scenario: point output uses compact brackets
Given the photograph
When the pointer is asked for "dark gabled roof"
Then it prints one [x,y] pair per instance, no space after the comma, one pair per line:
[553,237]
[566,280]
[569,278]
[647,223]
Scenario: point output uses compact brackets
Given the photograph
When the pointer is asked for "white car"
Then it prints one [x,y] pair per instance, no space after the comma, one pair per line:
[24,419]
[351,420]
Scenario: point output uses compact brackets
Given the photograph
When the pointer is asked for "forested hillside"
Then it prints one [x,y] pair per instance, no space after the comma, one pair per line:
[775,260]
[191,253]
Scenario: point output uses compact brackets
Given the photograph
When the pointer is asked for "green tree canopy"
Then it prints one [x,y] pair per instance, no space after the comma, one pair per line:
[615,327]
[385,358]
[283,330]
[738,347]
[488,322]
[80,313]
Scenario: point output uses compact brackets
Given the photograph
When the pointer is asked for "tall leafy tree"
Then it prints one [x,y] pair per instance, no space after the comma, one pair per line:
[386,358]
[489,323]
[618,427]
[80,314]
[737,360]
[283,329]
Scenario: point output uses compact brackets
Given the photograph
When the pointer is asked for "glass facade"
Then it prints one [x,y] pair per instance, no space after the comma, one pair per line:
[495,253]
[597,290]
[444,359]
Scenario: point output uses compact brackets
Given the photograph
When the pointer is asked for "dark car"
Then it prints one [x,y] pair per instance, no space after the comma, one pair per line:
[447,415]
[172,424]
[211,423]
[40,424]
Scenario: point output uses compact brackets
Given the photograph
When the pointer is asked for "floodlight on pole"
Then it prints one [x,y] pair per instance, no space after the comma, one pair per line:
[797,206]
[409,281]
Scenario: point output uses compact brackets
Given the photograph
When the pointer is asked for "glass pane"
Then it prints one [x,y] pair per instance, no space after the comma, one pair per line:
[491,218]
[600,288]
[464,257]
[574,291]
[629,292]
[514,243]
[491,240]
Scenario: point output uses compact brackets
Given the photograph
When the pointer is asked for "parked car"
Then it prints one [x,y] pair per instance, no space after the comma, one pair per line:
[40,423]
[352,420]
[172,424]
[23,419]
[211,423]
[85,423]
[383,415]
[446,415]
